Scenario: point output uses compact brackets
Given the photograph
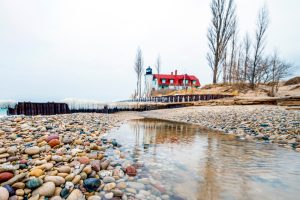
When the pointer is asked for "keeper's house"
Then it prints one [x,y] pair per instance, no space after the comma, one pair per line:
[171,81]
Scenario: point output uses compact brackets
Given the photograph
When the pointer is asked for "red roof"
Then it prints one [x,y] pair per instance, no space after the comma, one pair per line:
[177,79]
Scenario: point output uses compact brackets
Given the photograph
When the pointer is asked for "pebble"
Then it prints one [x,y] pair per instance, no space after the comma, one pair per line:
[57,180]
[136,185]
[32,150]
[47,189]
[61,157]
[108,179]
[109,195]
[109,186]
[4,195]
[91,184]
[76,195]
[5,176]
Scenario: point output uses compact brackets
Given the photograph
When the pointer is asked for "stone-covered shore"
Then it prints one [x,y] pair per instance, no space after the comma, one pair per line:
[67,157]
[262,123]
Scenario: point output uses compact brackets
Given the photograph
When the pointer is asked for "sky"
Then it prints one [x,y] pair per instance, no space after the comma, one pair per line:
[56,49]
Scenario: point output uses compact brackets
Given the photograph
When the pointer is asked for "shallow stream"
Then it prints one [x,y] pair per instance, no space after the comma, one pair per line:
[192,163]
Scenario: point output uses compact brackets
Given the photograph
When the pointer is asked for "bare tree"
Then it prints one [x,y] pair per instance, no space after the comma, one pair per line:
[259,46]
[225,67]
[279,70]
[158,64]
[219,33]
[158,67]
[246,47]
[138,68]
[232,55]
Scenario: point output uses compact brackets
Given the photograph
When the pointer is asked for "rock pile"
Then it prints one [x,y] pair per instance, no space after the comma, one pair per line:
[65,157]
[252,123]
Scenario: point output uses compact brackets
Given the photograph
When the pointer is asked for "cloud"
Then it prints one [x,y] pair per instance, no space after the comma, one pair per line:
[55,49]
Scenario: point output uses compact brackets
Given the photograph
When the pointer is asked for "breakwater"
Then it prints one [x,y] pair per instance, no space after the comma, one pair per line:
[30,108]
[142,104]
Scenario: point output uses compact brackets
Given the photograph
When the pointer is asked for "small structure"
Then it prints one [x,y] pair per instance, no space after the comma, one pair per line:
[171,81]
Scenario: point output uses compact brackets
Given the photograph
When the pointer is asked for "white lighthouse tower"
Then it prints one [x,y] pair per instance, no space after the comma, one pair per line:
[148,82]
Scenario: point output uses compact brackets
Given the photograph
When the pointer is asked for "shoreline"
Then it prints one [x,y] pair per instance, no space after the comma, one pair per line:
[69,157]
[267,123]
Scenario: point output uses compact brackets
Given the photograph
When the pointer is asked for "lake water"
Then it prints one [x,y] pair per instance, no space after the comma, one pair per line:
[191,163]
[3,112]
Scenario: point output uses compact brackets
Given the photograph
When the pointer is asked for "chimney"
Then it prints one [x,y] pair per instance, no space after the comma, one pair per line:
[176,72]
[172,73]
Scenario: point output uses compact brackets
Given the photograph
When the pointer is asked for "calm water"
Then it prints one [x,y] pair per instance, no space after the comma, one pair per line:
[195,164]
[3,112]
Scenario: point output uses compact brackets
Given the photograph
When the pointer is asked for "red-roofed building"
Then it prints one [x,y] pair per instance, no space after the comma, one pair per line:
[169,81]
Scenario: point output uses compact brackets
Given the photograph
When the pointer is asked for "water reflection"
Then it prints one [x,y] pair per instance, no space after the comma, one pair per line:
[193,163]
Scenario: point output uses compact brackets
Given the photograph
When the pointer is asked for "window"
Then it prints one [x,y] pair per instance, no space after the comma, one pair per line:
[186,81]
[194,82]
[163,80]
[171,81]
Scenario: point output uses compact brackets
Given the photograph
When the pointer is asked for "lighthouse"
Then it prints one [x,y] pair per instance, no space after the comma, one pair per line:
[148,82]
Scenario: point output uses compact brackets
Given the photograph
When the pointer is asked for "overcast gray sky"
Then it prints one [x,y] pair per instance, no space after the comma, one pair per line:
[55,49]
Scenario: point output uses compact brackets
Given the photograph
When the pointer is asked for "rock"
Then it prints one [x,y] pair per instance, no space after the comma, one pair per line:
[91,184]
[109,186]
[20,192]
[118,172]
[34,183]
[16,178]
[19,185]
[94,197]
[15,197]
[69,185]
[56,198]
[47,166]
[76,179]
[87,169]
[117,193]
[76,195]
[47,189]
[12,150]
[64,193]
[104,173]
[52,137]
[54,142]
[84,160]
[32,150]
[64,169]
[5,155]
[5,176]
[121,185]
[131,190]
[57,158]
[10,190]
[3,150]
[70,177]
[136,185]
[36,172]
[4,194]
[131,171]
[104,164]
[67,140]
[35,197]
[108,179]
[8,168]
[109,195]
[57,180]
[96,165]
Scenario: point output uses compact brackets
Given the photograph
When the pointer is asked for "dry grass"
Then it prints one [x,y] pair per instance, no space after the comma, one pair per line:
[293,81]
